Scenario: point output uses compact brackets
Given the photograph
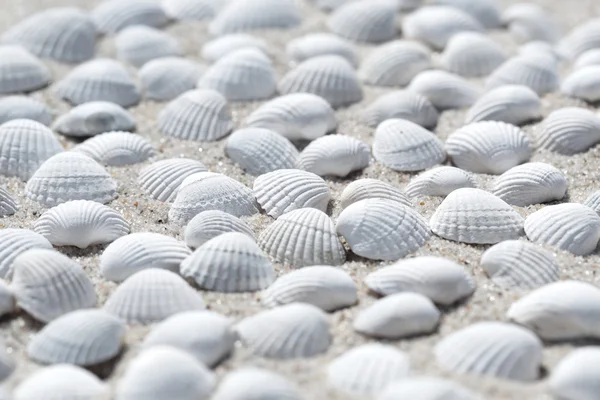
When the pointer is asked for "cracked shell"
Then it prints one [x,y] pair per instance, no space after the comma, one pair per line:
[94,118]
[440,181]
[221,46]
[367,188]
[166,78]
[23,107]
[162,179]
[139,44]
[111,16]
[472,54]
[249,15]
[336,155]
[371,22]
[320,44]
[21,71]
[570,381]
[425,388]
[253,383]
[513,104]
[569,131]
[445,90]
[583,84]
[401,104]
[14,242]
[210,224]
[537,71]
[117,148]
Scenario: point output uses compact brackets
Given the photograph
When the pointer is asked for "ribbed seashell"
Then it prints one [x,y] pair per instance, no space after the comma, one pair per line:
[101,79]
[139,44]
[303,237]
[331,77]
[296,330]
[14,242]
[7,363]
[536,71]
[163,178]
[8,303]
[582,38]
[151,295]
[366,370]
[583,84]
[23,107]
[362,21]
[486,12]
[570,381]
[472,54]
[593,201]
[570,226]
[48,284]
[328,288]
[528,21]
[513,104]
[212,338]
[191,10]
[367,188]
[425,388]
[8,205]
[382,229]
[94,118]
[253,383]
[540,47]
[445,90]
[200,115]
[83,337]
[21,71]
[493,349]
[210,224]
[488,147]
[320,44]
[401,104]
[587,59]
[166,78]
[440,181]
[117,148]
[569,130]
[405,146]
[221,46]
[336,155]
[113,15]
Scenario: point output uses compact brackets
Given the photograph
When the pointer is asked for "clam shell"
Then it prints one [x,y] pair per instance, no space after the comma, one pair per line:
[117,148]
[401,104]
[593,201]
[210,224]
[166,78]
[8,303]
[94,118]
[569,130]
[583,84]
[425,388]
[486,12]
[162,179]
[513,104]
[8,205]
[139,44]
[527,22]
[472,54]
[7,363]
[361,21]
[536,71]
[23,107]
[320,44]
[582,38]
[336,155]
[587,59]
[14,242]
[191,10]
[111,16]
[445,90]
[21,71]
[253,383]
[367,188]
[570,381]
[541,47]
[440,181]
[221,46]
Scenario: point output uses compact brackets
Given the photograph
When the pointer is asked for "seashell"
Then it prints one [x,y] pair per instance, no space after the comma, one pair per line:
[570,381]
[23,107]
[362,21]
[593,201]
[139,44]
[200,115]
[538,72]
[321,44]
[94,118]
[332,5]
[296,116]
[328,288]
[398,316]
[101,79]
[212,341]
[70,176]
[541,47]
[162,179]
[503,351]
[445,90]
[210,224]
[151,295]
[530,22]
[401,104]
[405,146]
[191,10]
[472,54]
[221,46]
[570,226]
[559,311]
[488,147]
[440,181]
[582,38]
[111,16]
[117,148]
[166,78]
[366,370]
[137,251]
[7,363]
[475,216]
[8,205]
[382,229]
[513,104]
[8,303]
[516,264]
[587,59]
[485,12]
[336,155]
[367,188]
[296,330]
[284,190]
[83,337]
[14,242]
[425,388]
[48,284]
[569,130]
[253,383]
[330,77]
[21,71]
[583,84]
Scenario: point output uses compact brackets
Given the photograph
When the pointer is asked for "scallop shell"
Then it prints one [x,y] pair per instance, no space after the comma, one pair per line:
[538,72]
[472,54]
[587,59]
[210,224]
[516,264]
[301,238]
[7,363]
[569,131]
[139,44]
[445,90]
[493,349]
[113,15]
[570,381]
[253,383]
[151,295]
[8,303]
[440,181]
[401,104]
[425,388]
[583,84]
[14,242]
[321,44]
[101,79]
[593,201]
[486,12]
[529,22]
[162,179]
[200,115]
[513,104]
[48,284]
[94,118]
[166,78]
[360,21]
[296,330]
[367,188]
[582,38]
[330,77]
[23,107]
[21,71]
[192,10]
[221,46]
[8,205]
[117,148]
[570,226]
[337,155]
[405,146]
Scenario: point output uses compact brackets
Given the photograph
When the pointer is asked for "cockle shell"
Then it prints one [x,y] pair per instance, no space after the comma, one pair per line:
[139,44]
[425,388]
[486,12]
[587,59]
[163,178]
[513,104]
[192,10]
[401,104]
[320,44]
[570,381]
[8,303]
[536,71]
[296,330]
[493,349]
[583,84]
[23,107]
[445,90]
[117,148]
[21,71]
[253,383]
[440,181]
[8,205]
[472,54]
[361,21]
[221,46]
[528,21]
[94,118]
[166,78]
[111,16]
[14,242]
[593,201]
[367,188]
[582,38]
[337,155]
[569,130]
[210,224]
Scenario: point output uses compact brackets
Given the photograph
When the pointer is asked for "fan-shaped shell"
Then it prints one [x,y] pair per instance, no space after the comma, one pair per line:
[401,104]
[570,381]
[8,205]
[210,224]
[425,388]
[249,15]
[163,178]
[513,104]
[256,383]
[320,44]
[8,303]
[583,84]
[7,363]
[536,71]
[21,71]
[221,46]
[440,181]
[117,148]
[582,38]
[486,12]
[23,107]
[336,155]
[587,59]
[14,242]
[445,90]
[367,188]
[569,131]
[166,78]
[528,21]
[192,10]
[139,44]
[361,21]
[111,16]
[94,118]
[593,201]
[472,54]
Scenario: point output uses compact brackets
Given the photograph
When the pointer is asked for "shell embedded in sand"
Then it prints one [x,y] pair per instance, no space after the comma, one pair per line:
[445,90]
[166,78]
[362,189]
[321,44]
[210,224]
[162,179]
[513,104]
[583,84]
[371,22]
[192,10]
[14,242]
[223,45]
[23,107]
[440,181]
[254,383]
[539,72]
[139,44]
[117,148]
[426,388]
[112,16]
[336,155]
[569,131]
[21,71]
[401,104]
[472,54]
[568,380]
[528,21]
[94,118]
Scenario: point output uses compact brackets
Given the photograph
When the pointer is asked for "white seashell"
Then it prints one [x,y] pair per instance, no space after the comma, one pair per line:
[569,130]
[405,146]
[7,363]
[151,295]
[582,38]
[137,251]
[166,78]
[8,303]
[364,21]
[570,226]
[570,381]
[210,224]
[48,284]
[21,71]
[296,116]
[516,264]
[23,107]
[112,16]
[117,148]
[200,115]
[162,179]
[486,12]
[536,71]
[328,288]
[84,337]
[321,44]
[528,21]
[337,155]
[8,205]
[593,201]
[249,15]
[382,229]
[258,150]
[285,190]
[253,383]
[212,340]
[14,242]
[401,104]
[541,47]
[513,104]
[191,10]
[445,90]
[101,79]
[221,46]
[332,5]
[366,370]
[330,77]
[472,54]
[367,188]
[440,181]
[493,349]
[296,330]
[94,118]
[425,388]
[587,59]
[583,84]
[139,44]
[301,238]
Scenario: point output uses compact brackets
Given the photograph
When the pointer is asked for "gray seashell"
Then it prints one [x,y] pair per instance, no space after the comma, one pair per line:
[570,381]
[301,238]
[582,38]
[166,78]
[8,302]
[8,205]
[321,44]
[569,131]
[593,201]
[486,12]
[536,71]
[513,104]
[332,5]
[192,10]
[401,104]
[249,15]
[472,54]
[253,383]
[445,90]
[221,46]
[382,229]
[296,330]
[14,242]
[367,188]
[440,181]
[48,284]
[112,16]
[22,107]
[94,118]
[117,148]
[336,155]
[210,224]
[425,388]
[583,84]
[587,59]
[7,363]
[21,71]
[139,44]
[527,22]
[361,21]
[162,179]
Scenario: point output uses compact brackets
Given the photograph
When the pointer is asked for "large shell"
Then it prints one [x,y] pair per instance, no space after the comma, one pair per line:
[486,12]
[320,44]
[362,189]
[336,155]
[14,242]
[8,205]
[528,21]
[163,178]
[445,90]
[139,44]
[21,71]
[210,224]
[7,363]
[513,104]
[362,21]
[23,107]
[117,148]
[569,131]
[587,59]
[303,237]
[8,302]
[583,84]
[582,38]
[401,104]
[253,383]
[94,118]
[440,181]
[536,71]
[221,46]
[113,15]
[166,78]
[425,388]
[192,10]
[570,381]
[472,54]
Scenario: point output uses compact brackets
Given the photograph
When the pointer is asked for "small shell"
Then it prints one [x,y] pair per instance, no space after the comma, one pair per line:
[137,251]
[382,229]
[328,288]
[7,363]
[569,131]
[94,118]
[472,54]
[210,224]
[513,104]
[372,22]
[541,47]
[296,330]
[405,146]
[528,21]
[583,84]
[84,337]
[336,155]
[113,15]
[14,242]
[48,284]
[303,237]
[582,38]
[570,226]
[367,188]
[162,179]
[536,71]
[166,78]
[401,104]
[587,59]
[516,264]
[440,181]
[593,201]
[570,381]
[21,71]
[320,44]
[23,107]
[425,388]
[8,205]
[220,47]
[445,90]
[8,303]
[253,383]
[494,349]
[139,44]
[117,148]
[192,10]
[486,12]
[151,295]
[330,77]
